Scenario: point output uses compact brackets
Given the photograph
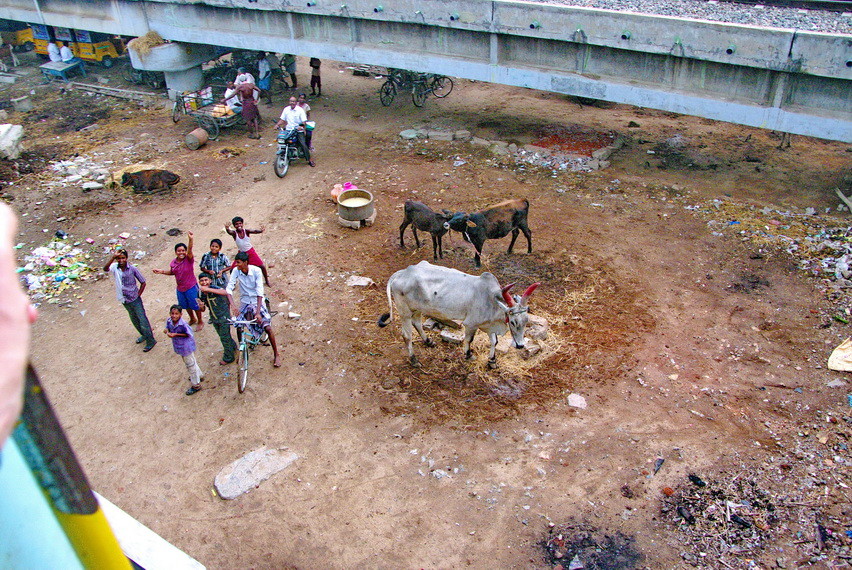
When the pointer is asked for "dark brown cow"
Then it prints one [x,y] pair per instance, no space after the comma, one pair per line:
[422,218]
[146,181]
[493,223]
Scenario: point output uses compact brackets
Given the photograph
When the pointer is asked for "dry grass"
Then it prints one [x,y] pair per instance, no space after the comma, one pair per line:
[144,44]
[585,345]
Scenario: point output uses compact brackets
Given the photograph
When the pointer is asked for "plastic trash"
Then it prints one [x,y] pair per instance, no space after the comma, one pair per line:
[696,480]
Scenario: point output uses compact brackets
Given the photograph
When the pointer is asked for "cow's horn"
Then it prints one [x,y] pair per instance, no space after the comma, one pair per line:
[506,296]
[529,291]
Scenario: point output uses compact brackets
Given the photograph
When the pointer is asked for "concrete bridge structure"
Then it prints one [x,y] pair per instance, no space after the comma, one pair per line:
[786,80]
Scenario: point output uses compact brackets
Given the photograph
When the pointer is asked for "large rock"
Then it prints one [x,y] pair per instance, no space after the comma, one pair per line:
[452,337]
[505,343]
[603,153]
[251,470]
[439,136]
[537,327]
[10,141]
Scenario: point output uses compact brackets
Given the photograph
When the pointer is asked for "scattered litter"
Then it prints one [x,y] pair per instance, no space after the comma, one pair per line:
[356,281]
[841,357]
[658,463]
[173,232]
[51,269]
[696,480]
[459,162]
[124,235]
[577,401]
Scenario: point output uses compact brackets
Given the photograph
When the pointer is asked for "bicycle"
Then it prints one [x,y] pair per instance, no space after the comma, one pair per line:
[397,79]
[438,85]
[250,334]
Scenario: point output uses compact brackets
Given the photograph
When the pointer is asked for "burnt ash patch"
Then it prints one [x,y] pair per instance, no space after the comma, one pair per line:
[590,548]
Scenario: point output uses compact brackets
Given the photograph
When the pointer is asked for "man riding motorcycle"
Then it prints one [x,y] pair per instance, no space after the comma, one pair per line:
[293,117]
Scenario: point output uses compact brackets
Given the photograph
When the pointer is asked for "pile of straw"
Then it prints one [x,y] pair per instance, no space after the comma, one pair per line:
[143,44]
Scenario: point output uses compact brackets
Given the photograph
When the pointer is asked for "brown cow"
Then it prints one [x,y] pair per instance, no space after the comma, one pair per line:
[493,223]
[146,181]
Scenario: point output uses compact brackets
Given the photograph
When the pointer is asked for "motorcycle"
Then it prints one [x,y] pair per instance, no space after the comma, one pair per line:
[288,149]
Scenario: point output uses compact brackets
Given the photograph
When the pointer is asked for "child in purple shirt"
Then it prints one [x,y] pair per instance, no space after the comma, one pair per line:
[183,268]
[184,344]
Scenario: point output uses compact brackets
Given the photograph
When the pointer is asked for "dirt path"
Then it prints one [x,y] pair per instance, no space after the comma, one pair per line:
[677,337]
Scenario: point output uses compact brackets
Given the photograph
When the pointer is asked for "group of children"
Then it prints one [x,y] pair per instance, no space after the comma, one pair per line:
[211,290]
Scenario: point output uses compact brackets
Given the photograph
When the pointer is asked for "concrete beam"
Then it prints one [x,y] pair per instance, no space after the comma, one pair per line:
[786,80]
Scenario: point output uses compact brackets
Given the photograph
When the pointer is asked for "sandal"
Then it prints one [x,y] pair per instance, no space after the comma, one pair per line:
[225,362]
[192,390]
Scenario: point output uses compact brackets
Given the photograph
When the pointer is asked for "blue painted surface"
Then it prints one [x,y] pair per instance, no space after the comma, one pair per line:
[31,535]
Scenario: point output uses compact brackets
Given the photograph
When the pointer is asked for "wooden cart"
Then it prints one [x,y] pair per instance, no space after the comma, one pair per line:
[207,110]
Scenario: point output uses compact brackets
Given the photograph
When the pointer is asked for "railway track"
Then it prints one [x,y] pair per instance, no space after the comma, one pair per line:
[828,5]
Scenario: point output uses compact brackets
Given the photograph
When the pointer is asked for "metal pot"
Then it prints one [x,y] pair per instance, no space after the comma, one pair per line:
[356,210]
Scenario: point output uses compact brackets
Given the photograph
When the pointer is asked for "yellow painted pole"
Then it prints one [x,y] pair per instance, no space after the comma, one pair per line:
[46,450]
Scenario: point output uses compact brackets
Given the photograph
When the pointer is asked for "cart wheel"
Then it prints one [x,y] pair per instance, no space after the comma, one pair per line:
[210,125]
[107,62]
[176,110]
[127,74]
[28,46]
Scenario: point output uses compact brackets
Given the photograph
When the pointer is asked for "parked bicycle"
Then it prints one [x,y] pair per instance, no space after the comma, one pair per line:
[429,84]
[420,84]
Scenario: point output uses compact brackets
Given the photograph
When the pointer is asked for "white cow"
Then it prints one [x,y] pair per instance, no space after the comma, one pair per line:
[478,302]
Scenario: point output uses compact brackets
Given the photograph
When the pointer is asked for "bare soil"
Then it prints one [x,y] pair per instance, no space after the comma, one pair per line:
[690,342]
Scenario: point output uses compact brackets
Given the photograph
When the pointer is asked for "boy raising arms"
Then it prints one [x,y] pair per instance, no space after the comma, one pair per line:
[250,280]
[217,301]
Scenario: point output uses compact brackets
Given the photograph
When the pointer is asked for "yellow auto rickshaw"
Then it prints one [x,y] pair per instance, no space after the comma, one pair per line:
[88,46]
[18,34]
[96,46]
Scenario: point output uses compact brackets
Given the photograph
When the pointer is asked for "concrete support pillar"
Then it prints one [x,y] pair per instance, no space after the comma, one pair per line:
[494,49]
[184,80]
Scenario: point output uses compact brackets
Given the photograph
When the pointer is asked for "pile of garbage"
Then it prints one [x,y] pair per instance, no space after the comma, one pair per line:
[51,269]
[818,243]
[84,171]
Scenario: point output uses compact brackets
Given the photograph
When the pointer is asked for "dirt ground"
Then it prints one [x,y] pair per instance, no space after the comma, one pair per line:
[690,343]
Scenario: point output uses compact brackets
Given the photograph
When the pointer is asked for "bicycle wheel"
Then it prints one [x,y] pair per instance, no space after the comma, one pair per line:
[387,93]
[419,93]
[176,110]
[441,86]
[242,377]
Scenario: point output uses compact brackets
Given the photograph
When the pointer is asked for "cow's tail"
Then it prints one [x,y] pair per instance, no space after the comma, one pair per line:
[386,318]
